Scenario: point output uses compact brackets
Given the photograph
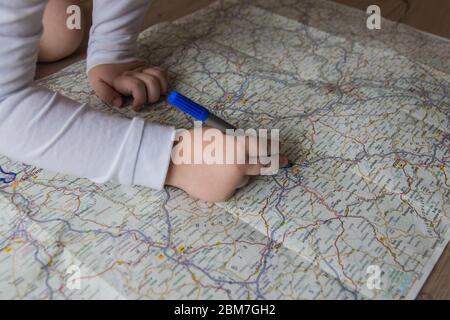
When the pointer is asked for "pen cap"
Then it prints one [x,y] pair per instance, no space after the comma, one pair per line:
[188,106]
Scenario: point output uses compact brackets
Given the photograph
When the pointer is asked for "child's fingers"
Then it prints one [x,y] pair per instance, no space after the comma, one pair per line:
[161,75]
[284,161]
[129,85]
[255,169]
[244,181]
[107,94]
[257,146]
[153,86]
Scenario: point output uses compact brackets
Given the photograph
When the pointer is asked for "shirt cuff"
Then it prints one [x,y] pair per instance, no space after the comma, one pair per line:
[154,156]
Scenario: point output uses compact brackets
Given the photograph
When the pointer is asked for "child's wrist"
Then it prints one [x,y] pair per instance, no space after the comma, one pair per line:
[171,172]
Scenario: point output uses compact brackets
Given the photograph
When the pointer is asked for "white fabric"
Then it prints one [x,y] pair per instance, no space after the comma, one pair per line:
[50,131]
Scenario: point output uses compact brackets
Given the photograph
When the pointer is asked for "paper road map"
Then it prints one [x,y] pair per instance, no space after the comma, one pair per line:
[365,117]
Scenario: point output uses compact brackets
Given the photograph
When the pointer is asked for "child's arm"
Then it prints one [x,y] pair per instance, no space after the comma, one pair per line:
[115,28]
[47,130]
[113,69]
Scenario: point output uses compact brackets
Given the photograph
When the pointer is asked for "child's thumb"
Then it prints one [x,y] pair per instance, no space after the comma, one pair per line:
[107,94]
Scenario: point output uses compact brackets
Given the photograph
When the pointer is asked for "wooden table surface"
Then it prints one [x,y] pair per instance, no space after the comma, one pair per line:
[431,16]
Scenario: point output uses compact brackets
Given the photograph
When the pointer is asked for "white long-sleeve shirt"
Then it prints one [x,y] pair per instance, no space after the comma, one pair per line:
[48,130]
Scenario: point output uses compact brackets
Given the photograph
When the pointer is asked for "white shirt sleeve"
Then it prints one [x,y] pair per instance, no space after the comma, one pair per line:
[115,28]
[50,131]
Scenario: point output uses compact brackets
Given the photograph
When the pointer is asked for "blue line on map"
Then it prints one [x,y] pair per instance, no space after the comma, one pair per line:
[11,175]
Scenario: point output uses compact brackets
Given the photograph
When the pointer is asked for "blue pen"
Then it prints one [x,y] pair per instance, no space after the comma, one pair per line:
[198,112]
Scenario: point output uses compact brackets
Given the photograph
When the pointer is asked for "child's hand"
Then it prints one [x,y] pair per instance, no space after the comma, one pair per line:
[113,81]
[213,182]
